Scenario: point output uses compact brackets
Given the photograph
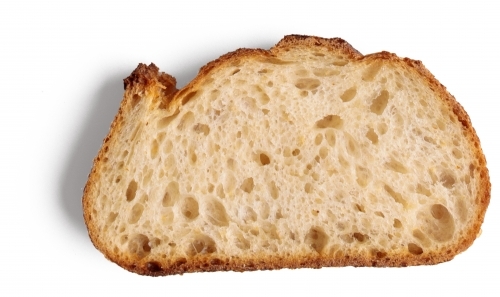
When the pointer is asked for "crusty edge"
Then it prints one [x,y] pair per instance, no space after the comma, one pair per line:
[144,80]
[148,79]
[484,188]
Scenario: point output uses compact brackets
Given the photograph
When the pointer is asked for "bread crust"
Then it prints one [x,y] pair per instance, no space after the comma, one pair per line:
[162,88]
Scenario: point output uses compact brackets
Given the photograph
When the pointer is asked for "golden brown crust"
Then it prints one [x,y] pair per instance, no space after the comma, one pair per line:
[337,45]
[266,262]
[162,87]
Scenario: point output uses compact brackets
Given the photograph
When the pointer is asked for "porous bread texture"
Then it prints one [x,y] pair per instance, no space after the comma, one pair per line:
[307,155]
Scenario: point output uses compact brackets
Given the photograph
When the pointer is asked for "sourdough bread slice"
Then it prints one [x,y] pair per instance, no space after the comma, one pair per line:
[305,155]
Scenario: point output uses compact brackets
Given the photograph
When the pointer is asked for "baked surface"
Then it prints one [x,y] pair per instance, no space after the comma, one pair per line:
[306,155]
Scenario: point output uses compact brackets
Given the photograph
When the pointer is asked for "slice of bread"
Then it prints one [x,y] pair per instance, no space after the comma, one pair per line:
[305,155]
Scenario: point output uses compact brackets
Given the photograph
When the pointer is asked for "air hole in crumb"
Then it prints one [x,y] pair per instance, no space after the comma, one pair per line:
[325,72]
[188,97]
[308,188]
[264,210]
[372,136]
[330,136]
[210,187]
[456,153]
[235,71]
[161,136]
[323,152]
[423,190]
[348,94]
[139,245]
[371,71]
[136,213]
[189,208]
[380,103]
[111,217]
[261,94]
[430,140]
[201,128]
[421,237]
[278,214]
[273,189]
[168,146]
[201,244]
[248,215]
[447,179]
[382,128]
[171,194]
[397,223]
[264,159]
[316,238]
[215,213]
[318,139]
[154,149]
[186,120]
[415,249]
[379,254]
[131,190]
[193,157]
[471,170]
[295,152]
[135,99]
[147,177]
[360,237]
[440,212]
[442,225]
[220,191]
[347,238]
[441,125]
[352,145]
[240,241]
[330,121]
[360,208]
[343,162]
[380,214]
[396,196]
[164,122]
[340,63]
[301,72]
[396,166]
[307,83]
[247,185]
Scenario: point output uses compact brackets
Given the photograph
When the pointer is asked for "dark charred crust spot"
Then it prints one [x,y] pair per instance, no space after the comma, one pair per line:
[142,75]
[335,44]
[153,267]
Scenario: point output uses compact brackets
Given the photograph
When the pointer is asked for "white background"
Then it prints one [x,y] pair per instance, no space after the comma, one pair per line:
[61,70]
